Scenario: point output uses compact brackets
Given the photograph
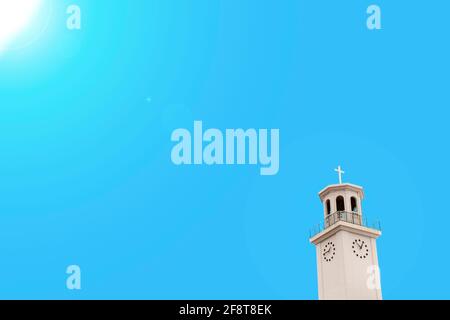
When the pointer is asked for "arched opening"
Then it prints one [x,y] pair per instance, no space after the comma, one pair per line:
[354,204]
[340,205]
[328,206]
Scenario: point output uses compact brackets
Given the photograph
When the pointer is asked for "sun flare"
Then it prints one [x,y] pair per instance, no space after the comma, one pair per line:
[14,17]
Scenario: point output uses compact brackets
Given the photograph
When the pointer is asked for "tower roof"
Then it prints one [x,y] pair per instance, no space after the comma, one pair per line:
[341,187]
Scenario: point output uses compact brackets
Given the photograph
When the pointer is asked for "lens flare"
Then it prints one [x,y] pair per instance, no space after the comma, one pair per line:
[14,18]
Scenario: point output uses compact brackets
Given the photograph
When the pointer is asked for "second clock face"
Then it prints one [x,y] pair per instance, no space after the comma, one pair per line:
[360,248]
[329,251]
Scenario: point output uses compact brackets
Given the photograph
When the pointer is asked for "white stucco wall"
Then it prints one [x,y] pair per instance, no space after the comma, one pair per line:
[346,276]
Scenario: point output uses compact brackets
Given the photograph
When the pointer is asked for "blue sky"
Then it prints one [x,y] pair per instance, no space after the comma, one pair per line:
[85,124]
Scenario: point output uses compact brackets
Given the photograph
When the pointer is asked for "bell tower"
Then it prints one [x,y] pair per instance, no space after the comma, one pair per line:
[347,260]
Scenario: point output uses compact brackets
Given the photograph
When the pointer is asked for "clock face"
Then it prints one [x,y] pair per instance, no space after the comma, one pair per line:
[360,249]
[329,251]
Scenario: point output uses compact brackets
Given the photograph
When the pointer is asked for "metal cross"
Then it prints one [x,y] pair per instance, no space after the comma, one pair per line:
[340,173]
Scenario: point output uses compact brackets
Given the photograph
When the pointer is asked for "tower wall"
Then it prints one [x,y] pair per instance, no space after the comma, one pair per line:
[352,271]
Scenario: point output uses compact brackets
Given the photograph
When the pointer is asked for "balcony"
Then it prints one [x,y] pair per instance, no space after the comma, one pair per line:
[349,217]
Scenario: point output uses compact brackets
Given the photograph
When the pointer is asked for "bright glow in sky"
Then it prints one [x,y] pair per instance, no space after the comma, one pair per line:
[14,17]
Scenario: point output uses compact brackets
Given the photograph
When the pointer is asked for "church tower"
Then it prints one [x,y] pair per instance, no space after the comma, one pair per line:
[347,261]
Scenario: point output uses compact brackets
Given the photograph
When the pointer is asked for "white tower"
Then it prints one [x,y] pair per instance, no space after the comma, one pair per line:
[347,261]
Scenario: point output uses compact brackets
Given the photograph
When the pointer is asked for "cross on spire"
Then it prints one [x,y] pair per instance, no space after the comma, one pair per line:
[340,173]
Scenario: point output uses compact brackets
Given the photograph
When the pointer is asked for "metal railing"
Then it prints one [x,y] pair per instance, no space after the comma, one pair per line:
[349,217]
